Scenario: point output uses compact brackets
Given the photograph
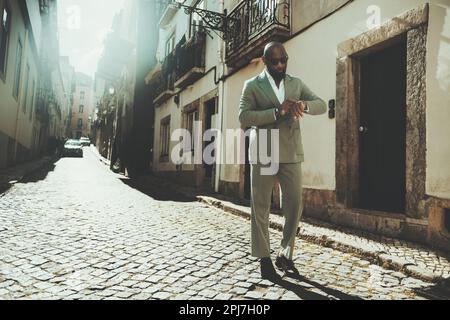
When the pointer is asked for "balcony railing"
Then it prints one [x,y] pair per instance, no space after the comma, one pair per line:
[182,67]
[164,84]
[252,24]
[190,58]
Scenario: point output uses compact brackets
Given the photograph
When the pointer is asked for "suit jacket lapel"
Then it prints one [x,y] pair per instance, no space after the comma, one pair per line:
[267,89]
[289,88]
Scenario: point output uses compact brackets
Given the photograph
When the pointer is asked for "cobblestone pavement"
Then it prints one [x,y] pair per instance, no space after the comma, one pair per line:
[420,261]
[82,232]
[434,261]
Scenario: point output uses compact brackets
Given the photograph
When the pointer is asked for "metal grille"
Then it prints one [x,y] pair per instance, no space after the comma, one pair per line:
[252,18]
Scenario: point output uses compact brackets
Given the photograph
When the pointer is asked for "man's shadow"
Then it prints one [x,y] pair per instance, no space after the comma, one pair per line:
[303,293]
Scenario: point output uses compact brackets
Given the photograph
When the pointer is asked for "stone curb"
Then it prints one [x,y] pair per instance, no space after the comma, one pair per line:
[99,156]
[27,171]
[371,254]
[348,246]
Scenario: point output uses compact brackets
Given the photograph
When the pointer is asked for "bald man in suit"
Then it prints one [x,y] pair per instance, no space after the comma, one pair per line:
[275,100]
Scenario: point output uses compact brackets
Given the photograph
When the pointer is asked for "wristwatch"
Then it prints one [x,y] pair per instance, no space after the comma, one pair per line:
[277,113]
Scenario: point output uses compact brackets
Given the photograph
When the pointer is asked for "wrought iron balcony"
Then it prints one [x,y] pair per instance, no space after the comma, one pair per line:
[164,83]
[182,67]
[190,57]
[251,25]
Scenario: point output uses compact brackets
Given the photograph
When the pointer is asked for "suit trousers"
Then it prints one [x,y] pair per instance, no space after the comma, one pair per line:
[290,178]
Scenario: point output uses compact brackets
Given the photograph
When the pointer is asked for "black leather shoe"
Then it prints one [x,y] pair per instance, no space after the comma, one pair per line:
[268,272]
[285,264]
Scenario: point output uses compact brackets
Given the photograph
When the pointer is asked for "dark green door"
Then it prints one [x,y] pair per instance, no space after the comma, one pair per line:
[382,131]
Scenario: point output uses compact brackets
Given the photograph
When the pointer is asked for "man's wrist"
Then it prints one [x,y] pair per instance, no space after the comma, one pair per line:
[306,108]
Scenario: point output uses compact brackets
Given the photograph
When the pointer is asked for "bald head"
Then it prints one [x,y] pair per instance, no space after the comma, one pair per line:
[270,47]
[275,58]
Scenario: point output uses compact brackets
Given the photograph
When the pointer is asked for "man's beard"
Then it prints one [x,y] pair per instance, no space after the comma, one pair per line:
[279,76]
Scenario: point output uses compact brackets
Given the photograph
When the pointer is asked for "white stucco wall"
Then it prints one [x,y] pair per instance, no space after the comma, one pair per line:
[180,24]
[438,101]
[313,58]
[13,121]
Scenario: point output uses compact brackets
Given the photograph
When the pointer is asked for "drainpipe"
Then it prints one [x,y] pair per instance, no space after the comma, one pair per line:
[221,53]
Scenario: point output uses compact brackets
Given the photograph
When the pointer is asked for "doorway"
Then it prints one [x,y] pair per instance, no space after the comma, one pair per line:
[210,123]
[247,171]
[382,129]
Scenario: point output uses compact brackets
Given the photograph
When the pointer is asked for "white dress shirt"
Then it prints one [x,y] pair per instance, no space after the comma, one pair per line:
[279,91]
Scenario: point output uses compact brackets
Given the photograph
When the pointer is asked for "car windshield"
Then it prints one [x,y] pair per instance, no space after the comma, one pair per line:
[73,143]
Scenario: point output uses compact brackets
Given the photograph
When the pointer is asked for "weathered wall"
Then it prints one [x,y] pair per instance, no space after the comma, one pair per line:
[306,12]
[438,101]
[15,120]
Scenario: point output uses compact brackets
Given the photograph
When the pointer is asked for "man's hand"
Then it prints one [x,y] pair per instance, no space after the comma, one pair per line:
[298,109]
[295,108]
[287,106]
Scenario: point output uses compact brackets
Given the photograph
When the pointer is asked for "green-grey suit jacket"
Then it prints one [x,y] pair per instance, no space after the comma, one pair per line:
[257,110]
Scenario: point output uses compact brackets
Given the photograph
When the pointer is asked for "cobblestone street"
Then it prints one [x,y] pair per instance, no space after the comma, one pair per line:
[79,231]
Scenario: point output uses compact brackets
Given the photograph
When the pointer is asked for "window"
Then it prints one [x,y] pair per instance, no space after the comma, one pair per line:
[4,36]
[81,109]
[33,88]
[82,95]
[170,44]
[80,123]
[191,117]
[165,137]
[16,88]
[196,20]
[25,94]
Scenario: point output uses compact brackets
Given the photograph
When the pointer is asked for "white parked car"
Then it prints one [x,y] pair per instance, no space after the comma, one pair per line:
[73,148]
[85,141]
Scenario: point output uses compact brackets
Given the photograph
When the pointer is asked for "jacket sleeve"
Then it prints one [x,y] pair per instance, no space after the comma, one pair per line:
[249,116]
[315,105]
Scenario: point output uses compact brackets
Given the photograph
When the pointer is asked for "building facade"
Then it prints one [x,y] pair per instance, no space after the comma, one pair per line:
[378,161]
[82,107]
[114,83]
[27,40]
[66,92]
[124,120]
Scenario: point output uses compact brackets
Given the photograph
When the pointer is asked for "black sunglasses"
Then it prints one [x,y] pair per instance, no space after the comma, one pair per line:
[275,62]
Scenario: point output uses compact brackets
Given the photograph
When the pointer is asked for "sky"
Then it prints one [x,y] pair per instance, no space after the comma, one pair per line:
[83,25]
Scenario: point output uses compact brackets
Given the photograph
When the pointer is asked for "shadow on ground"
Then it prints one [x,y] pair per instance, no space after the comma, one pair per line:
[40,174]
[157,192]
[8,179]
[4,186]
[302,287]
[440,291]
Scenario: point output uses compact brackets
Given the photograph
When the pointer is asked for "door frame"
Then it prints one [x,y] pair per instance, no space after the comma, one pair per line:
[413,25]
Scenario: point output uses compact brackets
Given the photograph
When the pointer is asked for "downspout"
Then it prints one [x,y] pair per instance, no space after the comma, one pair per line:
[221,53]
